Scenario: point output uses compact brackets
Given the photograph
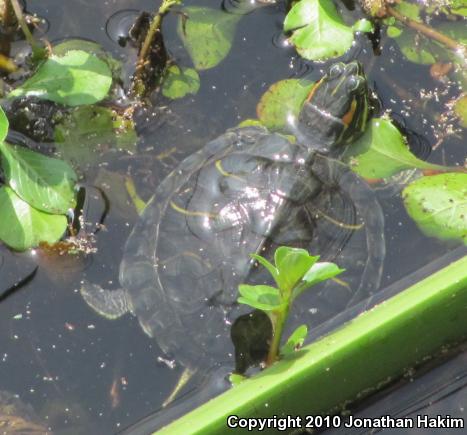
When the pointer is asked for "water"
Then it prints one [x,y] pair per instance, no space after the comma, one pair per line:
[85,374]
[437,392]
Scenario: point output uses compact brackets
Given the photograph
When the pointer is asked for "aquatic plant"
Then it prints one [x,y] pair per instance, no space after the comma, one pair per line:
[294,272]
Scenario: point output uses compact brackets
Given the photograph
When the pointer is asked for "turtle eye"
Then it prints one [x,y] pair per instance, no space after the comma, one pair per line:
[336,70]
[355,84]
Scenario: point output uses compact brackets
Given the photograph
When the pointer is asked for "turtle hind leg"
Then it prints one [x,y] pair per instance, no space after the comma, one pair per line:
[110,304]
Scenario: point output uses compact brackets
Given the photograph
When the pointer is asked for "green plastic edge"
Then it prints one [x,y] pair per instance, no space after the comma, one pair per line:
[366,353]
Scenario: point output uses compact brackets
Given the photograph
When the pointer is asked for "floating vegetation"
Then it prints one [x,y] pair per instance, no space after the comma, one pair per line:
[38,192]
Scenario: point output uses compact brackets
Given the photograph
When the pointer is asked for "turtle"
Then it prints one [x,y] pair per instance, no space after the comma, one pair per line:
[249,191]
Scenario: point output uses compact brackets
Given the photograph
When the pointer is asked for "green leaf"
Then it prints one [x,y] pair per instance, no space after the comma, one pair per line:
[382,152]
[207,35]
[76,78]
[394,31]
[86,132]
[295,341]
[4,125]
[262,297]
[460,109]
[458,7]
[270,267]
[236,379]
[250,123]
[283,99]
[319,272]
[410,10]
[93,49]
[44,182]
[419,49]
[438,204]
[292,264]
[458,31]
[421,52]
[23,227]
[180,82]
[363,25]
[319,33]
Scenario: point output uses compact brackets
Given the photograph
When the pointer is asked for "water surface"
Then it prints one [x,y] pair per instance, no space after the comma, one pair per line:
[85,374]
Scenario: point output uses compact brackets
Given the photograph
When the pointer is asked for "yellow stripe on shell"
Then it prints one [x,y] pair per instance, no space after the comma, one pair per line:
[223,172]
[192,213]
[341,282]
[185,254]
[340,224]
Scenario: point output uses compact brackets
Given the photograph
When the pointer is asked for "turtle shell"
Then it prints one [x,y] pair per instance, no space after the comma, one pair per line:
[248,191]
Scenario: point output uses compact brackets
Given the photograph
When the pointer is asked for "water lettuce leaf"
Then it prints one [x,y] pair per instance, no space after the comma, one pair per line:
[455,7]
[74,79]
[207,35]
[44,182]
[410,10]
[87,131]
[458,7]
[318,31]
[179,82]
[249,122]
[438,204]
[382,152]
[283,99]
[417,48]
[23,227]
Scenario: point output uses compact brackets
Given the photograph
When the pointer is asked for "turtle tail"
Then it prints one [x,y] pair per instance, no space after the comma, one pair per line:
[110,304]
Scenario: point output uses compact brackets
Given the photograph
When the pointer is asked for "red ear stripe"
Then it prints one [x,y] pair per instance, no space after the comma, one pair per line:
[347,118]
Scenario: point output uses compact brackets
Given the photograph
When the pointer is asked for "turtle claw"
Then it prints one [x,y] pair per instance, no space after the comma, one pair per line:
[110,304]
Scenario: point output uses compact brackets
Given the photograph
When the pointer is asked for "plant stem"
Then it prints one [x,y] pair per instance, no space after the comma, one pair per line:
[426,30]
[155,27]
[280,318]
[36,49]
[8,15]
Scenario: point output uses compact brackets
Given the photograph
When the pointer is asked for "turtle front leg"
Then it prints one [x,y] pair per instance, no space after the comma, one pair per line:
[110,304]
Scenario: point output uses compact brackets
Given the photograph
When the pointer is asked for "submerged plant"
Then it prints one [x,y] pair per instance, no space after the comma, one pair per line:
[295,271]
[12,13]
[150,42]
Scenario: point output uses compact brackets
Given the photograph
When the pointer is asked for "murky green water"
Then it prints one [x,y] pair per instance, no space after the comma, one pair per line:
[85,374]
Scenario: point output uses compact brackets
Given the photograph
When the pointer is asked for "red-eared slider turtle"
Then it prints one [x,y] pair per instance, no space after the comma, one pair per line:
[249,191]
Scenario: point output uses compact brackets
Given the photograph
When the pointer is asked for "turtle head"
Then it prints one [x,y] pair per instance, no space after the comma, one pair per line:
[337,108]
